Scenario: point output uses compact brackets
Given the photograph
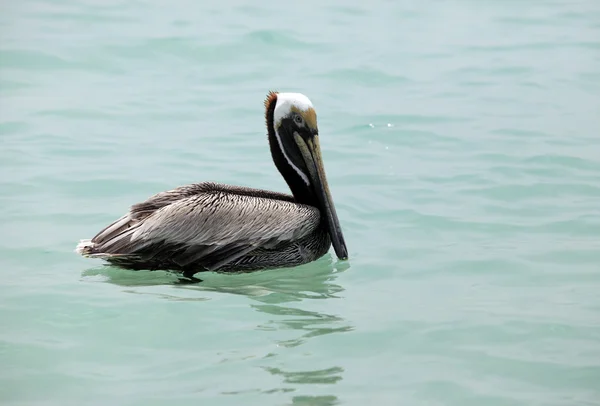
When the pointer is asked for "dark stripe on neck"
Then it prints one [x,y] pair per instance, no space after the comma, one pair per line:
[302,193]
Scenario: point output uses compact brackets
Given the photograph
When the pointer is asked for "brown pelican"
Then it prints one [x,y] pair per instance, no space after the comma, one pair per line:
[215,227]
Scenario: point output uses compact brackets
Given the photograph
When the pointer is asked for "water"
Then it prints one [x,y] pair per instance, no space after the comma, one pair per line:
[461,144]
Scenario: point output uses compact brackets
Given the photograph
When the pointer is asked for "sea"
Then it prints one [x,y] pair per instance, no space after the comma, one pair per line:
[461,141]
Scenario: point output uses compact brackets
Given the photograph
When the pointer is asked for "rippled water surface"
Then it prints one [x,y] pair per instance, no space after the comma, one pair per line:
[461,141]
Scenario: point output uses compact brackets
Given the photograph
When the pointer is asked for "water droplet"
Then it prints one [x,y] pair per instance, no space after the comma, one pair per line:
[371,125]
[390,125]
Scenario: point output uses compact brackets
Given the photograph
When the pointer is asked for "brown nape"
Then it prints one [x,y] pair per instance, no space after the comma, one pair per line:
[271,97]
[270,105]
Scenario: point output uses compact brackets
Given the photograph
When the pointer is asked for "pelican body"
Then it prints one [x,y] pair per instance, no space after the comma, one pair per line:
[215,227]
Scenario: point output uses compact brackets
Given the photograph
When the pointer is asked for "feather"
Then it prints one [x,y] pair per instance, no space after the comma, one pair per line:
[206,225]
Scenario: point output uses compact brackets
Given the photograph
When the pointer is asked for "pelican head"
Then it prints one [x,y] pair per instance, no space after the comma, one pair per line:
[294,139]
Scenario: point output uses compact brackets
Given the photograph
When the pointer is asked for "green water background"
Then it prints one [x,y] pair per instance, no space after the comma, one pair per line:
[461,141]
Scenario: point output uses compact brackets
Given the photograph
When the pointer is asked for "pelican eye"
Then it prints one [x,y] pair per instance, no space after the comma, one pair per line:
[298,119]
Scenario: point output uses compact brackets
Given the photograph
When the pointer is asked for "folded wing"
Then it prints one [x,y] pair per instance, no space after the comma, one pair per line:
[204,225]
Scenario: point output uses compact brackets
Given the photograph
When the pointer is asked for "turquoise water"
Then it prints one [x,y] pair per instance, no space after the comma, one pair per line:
[461,142]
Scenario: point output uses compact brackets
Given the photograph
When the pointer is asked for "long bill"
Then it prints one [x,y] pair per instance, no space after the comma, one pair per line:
[311,153]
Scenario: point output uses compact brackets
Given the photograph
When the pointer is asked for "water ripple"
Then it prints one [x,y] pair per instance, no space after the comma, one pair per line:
[461,149]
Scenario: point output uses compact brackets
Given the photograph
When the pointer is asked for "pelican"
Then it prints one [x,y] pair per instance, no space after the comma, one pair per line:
[222,228]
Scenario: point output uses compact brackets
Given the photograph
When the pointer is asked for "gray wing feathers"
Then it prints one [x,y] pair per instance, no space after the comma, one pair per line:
[142,210]
[163,199]
[221,218]
[216,225]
